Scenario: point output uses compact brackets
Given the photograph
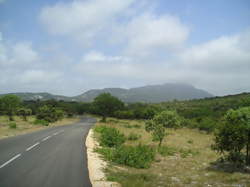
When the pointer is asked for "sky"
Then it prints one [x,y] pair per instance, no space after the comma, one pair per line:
[70,46]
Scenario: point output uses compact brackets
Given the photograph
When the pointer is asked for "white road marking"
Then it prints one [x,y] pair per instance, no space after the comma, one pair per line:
[9,161]
[48,137]
[31,147]
[55,134]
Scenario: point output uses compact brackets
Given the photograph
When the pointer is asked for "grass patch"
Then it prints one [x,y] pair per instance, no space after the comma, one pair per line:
[127,179]
[41,122]
[132,136]
[167,151]
[26,126]
[12,125]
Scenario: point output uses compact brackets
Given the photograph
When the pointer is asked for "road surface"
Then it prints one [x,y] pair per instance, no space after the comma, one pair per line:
[53,157]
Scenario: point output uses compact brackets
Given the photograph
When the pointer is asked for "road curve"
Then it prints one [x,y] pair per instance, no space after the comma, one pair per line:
[53,157]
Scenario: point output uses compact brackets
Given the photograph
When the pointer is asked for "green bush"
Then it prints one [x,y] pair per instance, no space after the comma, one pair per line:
[41,122]
[100,128]
[111,137]
[108,153]
[124,114]
[49,113]
[207,125]
[12,125]
[140,156]
[132,136]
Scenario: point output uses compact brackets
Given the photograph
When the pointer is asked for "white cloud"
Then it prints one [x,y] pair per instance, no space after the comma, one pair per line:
[39,76]
[139,30]
[23,53]
[18,54]
[224,54]
[148,33]
[82,19]
[94,56]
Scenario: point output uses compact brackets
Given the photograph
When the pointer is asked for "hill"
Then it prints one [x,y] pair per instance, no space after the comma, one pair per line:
[150,94]
[146,94]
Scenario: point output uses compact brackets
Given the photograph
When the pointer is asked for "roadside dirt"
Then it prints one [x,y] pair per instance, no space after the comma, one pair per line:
[96,165]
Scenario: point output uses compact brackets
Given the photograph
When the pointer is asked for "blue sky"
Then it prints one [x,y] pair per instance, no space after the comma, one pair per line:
[70,46]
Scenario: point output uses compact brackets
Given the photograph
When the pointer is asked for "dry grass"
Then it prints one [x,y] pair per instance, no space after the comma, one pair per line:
[189,166]
[27,126]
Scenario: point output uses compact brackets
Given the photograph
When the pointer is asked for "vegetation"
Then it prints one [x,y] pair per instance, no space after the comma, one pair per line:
[105,104]
[9,105]
[234,135]
[49,113]
[159,124]
[185,158]
[111,137]
[24,112]
[41,122]
[12,125]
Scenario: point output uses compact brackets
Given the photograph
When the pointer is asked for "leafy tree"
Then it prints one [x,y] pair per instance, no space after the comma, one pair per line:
[49,113]
[158,125]
[9,105]
[234,135]
[105,104]
[24,112]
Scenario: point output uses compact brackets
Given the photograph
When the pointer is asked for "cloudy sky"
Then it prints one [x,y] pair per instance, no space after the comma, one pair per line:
[69,46]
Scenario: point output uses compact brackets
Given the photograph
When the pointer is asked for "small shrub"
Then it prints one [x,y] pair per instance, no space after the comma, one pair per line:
[41,122]
[167,151]
[111,137]
[140,156]
[137,126]
[133,136]
[190,141]
[207,125]
[12,125]
[108,153]
[128,126]
[100,128]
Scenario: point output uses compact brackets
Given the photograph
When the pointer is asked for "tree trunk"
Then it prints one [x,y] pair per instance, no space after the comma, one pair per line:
[11,117]
[104,118]
[160,143]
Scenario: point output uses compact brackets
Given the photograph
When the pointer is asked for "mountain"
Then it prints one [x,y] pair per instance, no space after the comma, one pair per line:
[147,94]
[41,96]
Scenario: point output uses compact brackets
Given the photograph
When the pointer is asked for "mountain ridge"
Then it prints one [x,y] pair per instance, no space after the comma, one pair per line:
[147,94]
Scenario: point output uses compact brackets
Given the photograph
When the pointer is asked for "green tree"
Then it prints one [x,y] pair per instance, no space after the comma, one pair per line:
[24,112]
[105,104]
[9,105]
[158,125]
[234,135]
[49,113]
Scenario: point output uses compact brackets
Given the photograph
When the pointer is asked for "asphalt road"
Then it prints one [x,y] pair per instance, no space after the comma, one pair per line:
[53,157]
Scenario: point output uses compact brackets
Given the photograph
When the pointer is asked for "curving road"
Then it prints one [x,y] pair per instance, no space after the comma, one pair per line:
[53,157]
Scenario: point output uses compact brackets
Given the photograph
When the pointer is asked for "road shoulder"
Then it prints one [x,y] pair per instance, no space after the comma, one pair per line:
[96,165]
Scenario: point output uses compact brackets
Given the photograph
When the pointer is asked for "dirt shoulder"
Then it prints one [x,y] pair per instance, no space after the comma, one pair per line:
[96,165]
[23,127]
